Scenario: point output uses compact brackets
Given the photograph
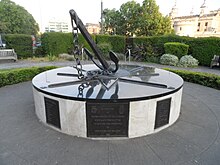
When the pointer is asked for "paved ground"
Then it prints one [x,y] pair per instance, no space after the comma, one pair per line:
[25,63]
[194,139]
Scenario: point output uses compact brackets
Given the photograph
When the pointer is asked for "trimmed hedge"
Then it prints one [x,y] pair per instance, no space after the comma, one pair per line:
[21,43]
[56,43]
[104,48]
[117,42]
[206,79]
[155,45]
[14,76]
[203,49]
[176,48]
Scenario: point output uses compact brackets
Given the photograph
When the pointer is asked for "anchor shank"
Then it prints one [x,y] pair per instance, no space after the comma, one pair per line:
[89,39]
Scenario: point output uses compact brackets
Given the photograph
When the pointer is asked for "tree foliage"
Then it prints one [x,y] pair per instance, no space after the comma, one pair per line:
[135,19]
[15,19]
[111,17]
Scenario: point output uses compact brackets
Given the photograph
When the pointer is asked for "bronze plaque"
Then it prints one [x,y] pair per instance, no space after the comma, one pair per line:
[52,112]
[162,113]
[107,119]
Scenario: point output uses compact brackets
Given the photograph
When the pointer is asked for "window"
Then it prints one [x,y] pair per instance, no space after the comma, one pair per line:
[198,28]
[206,26]
[180,28]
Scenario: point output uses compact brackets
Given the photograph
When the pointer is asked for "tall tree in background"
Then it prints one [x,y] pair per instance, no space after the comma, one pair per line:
[129,19]
[133,19]
[152,23]
[111,21]
[15,19]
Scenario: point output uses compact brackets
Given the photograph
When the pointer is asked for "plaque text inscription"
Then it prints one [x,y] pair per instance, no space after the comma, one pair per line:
[107,119]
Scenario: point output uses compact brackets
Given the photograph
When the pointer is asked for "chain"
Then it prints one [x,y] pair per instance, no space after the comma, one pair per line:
[77,50]
[81,88]
[79,69]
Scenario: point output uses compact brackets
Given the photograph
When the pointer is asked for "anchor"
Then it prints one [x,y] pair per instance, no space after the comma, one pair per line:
[107,74]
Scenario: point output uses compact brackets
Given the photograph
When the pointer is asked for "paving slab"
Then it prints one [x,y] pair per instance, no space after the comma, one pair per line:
[194,139]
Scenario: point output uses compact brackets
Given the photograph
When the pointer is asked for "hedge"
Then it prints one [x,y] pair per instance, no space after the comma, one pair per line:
[206,79]
[155,45]
[117,42]
[56,43]
[203,49]
[14,76]
[176,48]
[21,43]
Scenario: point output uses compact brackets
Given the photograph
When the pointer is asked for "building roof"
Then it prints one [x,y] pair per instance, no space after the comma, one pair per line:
[209,15]
[193,16]
[188,16]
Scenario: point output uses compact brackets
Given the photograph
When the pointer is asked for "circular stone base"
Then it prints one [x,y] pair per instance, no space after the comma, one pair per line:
[117,109]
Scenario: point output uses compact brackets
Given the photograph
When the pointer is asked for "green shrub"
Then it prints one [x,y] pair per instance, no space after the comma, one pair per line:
[188,61]
[51,57]
[104,48]
[153,59]
[176,48]
[84,43]
[168,59]
[117,42]
[203,49]
[155,45]
[206,79]
[56,43]
[14,76]
[21,43]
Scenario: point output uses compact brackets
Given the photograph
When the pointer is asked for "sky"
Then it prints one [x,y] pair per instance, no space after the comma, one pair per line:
[90,11]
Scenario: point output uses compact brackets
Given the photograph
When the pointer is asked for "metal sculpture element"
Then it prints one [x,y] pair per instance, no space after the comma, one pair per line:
[104,65]
[106,75]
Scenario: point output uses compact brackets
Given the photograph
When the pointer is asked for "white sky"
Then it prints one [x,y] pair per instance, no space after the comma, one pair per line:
[89,10]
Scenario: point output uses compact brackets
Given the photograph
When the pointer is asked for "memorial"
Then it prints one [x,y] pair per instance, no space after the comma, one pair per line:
[106,101]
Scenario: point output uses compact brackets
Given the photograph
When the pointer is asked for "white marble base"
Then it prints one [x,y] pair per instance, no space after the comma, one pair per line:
[141,115]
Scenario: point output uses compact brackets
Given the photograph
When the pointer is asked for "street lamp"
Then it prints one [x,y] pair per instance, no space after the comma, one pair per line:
[102,17]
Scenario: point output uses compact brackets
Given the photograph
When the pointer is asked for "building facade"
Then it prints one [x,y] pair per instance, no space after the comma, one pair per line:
[57,26]
[93,28]
[204,24]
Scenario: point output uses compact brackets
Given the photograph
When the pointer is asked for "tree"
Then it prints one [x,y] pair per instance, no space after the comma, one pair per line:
[15,19]
[111,19]
[153,22]
[129,18]
[166,26]
[133,19]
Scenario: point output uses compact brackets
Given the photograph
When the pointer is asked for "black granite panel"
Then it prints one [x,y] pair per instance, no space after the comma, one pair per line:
[162,113]
[52,112]
[107,119]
